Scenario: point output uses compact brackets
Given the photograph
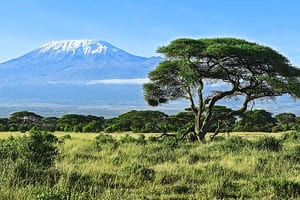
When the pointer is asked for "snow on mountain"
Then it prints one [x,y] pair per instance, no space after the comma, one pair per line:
[75,61]
[78,46]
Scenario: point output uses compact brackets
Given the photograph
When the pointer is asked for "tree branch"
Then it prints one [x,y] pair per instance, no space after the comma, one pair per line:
[193,107]
[200,97]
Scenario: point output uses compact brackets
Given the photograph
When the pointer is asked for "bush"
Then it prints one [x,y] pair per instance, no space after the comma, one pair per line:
[127,139]
[67,136]
[152,139]
[293,154]
[104,139]
[42,147]
[232,144]
[170,142]
[29,159]
[268,143]
[141,139]
[292,136]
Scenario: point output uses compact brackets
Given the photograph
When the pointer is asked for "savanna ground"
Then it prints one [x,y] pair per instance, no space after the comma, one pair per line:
[243,166]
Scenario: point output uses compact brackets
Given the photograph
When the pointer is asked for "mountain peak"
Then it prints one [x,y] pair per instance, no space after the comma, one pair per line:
[74,46]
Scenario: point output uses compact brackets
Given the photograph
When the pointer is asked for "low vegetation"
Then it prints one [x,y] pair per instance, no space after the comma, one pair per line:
[40,165]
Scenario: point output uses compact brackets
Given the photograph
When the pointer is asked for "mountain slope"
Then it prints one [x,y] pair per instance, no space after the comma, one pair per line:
[75,61]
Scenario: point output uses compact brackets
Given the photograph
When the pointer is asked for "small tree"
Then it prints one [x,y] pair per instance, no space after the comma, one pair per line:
[252,71]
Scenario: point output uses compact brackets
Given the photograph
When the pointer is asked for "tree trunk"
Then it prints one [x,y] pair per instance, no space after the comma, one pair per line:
[199,133]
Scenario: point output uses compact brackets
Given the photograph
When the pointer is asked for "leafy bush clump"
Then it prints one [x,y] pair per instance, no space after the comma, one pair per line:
[268,143]
[152,139]
[141,139]
[232,144]
[66,137]
[293,154]
[104,139]
[127,139]
[170,142]
[29,159]
[42,147]
[39,148]
[292,136]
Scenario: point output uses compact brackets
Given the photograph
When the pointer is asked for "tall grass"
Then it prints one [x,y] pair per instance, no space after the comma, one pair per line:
[126,167]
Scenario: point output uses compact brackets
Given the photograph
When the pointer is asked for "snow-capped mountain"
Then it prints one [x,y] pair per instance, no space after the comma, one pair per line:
[75,61]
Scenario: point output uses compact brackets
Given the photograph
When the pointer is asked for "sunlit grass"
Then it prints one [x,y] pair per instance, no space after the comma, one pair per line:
[118,135]
[188,171]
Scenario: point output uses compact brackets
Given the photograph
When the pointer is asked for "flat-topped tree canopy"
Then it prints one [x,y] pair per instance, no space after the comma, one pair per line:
[252,70]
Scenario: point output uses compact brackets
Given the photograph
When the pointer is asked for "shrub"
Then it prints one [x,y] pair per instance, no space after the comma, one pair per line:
[292,136]
[152,139]
[29,159]
[170,142]
[67,136]
[42,147]
[232,144]
[141,139]
[293,154]
[127,139]
[268,143]
[104,139]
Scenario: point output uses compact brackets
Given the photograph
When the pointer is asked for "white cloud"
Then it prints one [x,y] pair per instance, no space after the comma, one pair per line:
[136,81]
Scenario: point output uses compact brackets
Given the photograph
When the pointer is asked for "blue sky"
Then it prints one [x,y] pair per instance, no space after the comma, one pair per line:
[140,26]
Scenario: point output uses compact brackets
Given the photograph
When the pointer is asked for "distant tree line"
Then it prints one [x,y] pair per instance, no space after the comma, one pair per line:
[151,121]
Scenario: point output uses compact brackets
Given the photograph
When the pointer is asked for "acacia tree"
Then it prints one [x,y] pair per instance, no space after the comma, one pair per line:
[251,70]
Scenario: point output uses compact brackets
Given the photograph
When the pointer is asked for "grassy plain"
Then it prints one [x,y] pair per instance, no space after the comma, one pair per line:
[246,167]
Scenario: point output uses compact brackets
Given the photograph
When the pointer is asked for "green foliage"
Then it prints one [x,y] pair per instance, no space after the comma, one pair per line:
[137,121]
[66,137]
[79,123]
[268,143]
[293,154]
[255,120]
[93,126]
[287,121]
[29,159]
[292,136]
[251,71]
[104,139]
[127,139]
[232,144]
[141,139]
[43,147]
[23,121]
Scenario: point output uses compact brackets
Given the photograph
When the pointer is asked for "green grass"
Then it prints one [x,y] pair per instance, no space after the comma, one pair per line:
[250,168]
